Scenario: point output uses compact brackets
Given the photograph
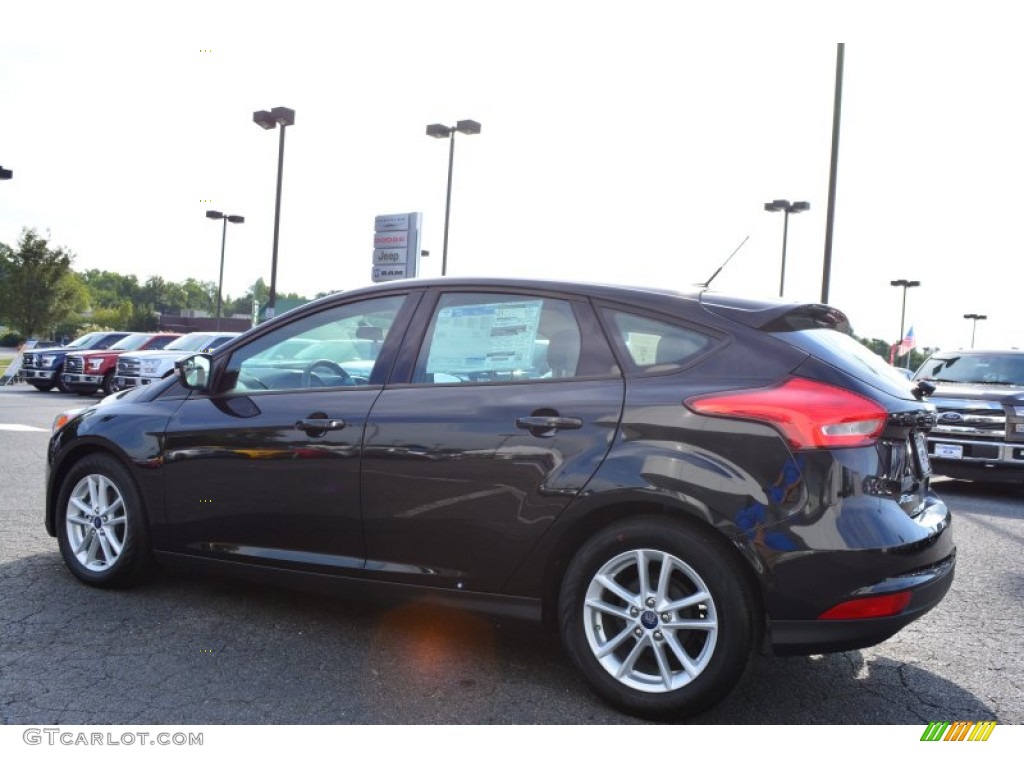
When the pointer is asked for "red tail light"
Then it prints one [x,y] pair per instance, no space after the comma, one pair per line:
[809,414]
[869,607]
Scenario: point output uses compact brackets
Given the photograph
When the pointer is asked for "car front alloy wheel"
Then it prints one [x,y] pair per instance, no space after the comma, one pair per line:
[100,525]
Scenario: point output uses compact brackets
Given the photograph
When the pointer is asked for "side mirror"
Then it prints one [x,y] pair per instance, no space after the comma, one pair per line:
[194,371]
[923,389]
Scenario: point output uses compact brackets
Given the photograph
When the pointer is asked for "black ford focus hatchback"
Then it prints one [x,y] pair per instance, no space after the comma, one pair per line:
[673,481]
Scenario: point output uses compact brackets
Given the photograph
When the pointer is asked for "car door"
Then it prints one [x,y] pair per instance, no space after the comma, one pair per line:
[494,422]
[265,467]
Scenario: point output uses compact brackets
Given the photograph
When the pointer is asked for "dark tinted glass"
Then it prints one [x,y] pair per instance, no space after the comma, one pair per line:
[654,346]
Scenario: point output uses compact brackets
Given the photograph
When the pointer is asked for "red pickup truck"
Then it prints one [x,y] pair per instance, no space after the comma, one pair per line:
[86,372]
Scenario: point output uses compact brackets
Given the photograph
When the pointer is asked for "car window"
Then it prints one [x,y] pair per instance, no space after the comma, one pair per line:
[85,342]
[975,368]
[479,337]
[339,348]
[653,346]
[109,339]
[132,341]
[160,342]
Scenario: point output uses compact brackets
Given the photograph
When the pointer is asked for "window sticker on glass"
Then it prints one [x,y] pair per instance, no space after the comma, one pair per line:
[485,337]
[643,347]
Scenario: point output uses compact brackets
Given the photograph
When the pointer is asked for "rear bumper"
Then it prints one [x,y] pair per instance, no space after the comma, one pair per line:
[927,586]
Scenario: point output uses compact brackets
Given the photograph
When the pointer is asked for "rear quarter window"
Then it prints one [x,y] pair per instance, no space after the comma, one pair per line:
[648,345]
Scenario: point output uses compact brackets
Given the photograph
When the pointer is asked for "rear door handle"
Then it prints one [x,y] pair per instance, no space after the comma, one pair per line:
[318,427]
[547,426]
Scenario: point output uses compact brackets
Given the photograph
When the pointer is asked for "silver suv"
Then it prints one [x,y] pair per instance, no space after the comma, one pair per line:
[146,367]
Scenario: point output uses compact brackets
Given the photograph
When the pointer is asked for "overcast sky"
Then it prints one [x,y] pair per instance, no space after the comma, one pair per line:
[622,142]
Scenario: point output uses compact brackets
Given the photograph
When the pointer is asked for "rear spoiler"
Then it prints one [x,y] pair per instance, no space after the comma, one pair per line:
[776,317]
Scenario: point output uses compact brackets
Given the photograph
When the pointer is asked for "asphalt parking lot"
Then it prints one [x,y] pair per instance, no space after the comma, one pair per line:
[184,650]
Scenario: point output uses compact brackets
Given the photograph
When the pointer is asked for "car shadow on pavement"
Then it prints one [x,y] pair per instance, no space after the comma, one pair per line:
[184,649]
[960,489]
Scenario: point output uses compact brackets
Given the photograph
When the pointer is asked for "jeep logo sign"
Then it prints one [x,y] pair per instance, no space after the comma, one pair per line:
[390,255]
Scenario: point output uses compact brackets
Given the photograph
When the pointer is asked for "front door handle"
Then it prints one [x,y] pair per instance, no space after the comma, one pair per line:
[547,426]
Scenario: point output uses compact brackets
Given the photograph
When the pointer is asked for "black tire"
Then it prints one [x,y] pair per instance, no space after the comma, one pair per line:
[657,683]
[89,548]
[60,384]
[43,387]
[109,387]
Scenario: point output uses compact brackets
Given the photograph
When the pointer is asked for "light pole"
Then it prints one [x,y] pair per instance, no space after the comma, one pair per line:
[904,284]
[439,131]
[787,207]
[223,239]
[278,116]
[974,324]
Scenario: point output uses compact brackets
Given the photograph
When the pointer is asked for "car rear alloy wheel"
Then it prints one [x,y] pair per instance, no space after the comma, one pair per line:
[100,525]
[656,617]
[653,637]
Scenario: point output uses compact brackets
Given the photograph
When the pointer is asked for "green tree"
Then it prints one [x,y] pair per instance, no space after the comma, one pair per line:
[200,295]
[108,289]
[38,289]
[119,317]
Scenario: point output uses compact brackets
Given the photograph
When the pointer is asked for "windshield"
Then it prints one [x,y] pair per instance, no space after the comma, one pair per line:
[85,342]
[970,368]
[190,342]
[132,341]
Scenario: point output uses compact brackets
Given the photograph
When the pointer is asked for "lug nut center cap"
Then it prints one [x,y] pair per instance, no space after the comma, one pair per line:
[649,619]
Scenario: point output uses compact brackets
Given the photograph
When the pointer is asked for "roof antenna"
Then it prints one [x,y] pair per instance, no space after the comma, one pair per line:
[708,281]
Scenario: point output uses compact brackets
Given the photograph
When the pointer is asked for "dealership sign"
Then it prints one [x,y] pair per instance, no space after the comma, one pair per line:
[396,247]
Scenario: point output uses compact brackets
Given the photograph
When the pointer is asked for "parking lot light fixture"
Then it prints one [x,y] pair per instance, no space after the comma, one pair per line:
[268,120]
[787,208]
[6,174]
[440,131]
[974,318]
[904,284]
[223,239]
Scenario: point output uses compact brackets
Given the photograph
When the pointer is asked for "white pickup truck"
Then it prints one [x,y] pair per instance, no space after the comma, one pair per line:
[140,368]
[979,395]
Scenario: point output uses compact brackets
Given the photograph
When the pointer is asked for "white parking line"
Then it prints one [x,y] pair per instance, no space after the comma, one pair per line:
[20,428]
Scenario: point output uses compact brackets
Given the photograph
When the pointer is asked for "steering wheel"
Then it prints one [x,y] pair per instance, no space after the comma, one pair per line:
[329,366]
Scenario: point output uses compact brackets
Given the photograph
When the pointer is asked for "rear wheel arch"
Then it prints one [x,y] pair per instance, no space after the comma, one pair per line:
[742,559]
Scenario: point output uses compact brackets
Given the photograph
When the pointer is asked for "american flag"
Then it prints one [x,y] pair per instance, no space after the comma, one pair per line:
[908,343]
